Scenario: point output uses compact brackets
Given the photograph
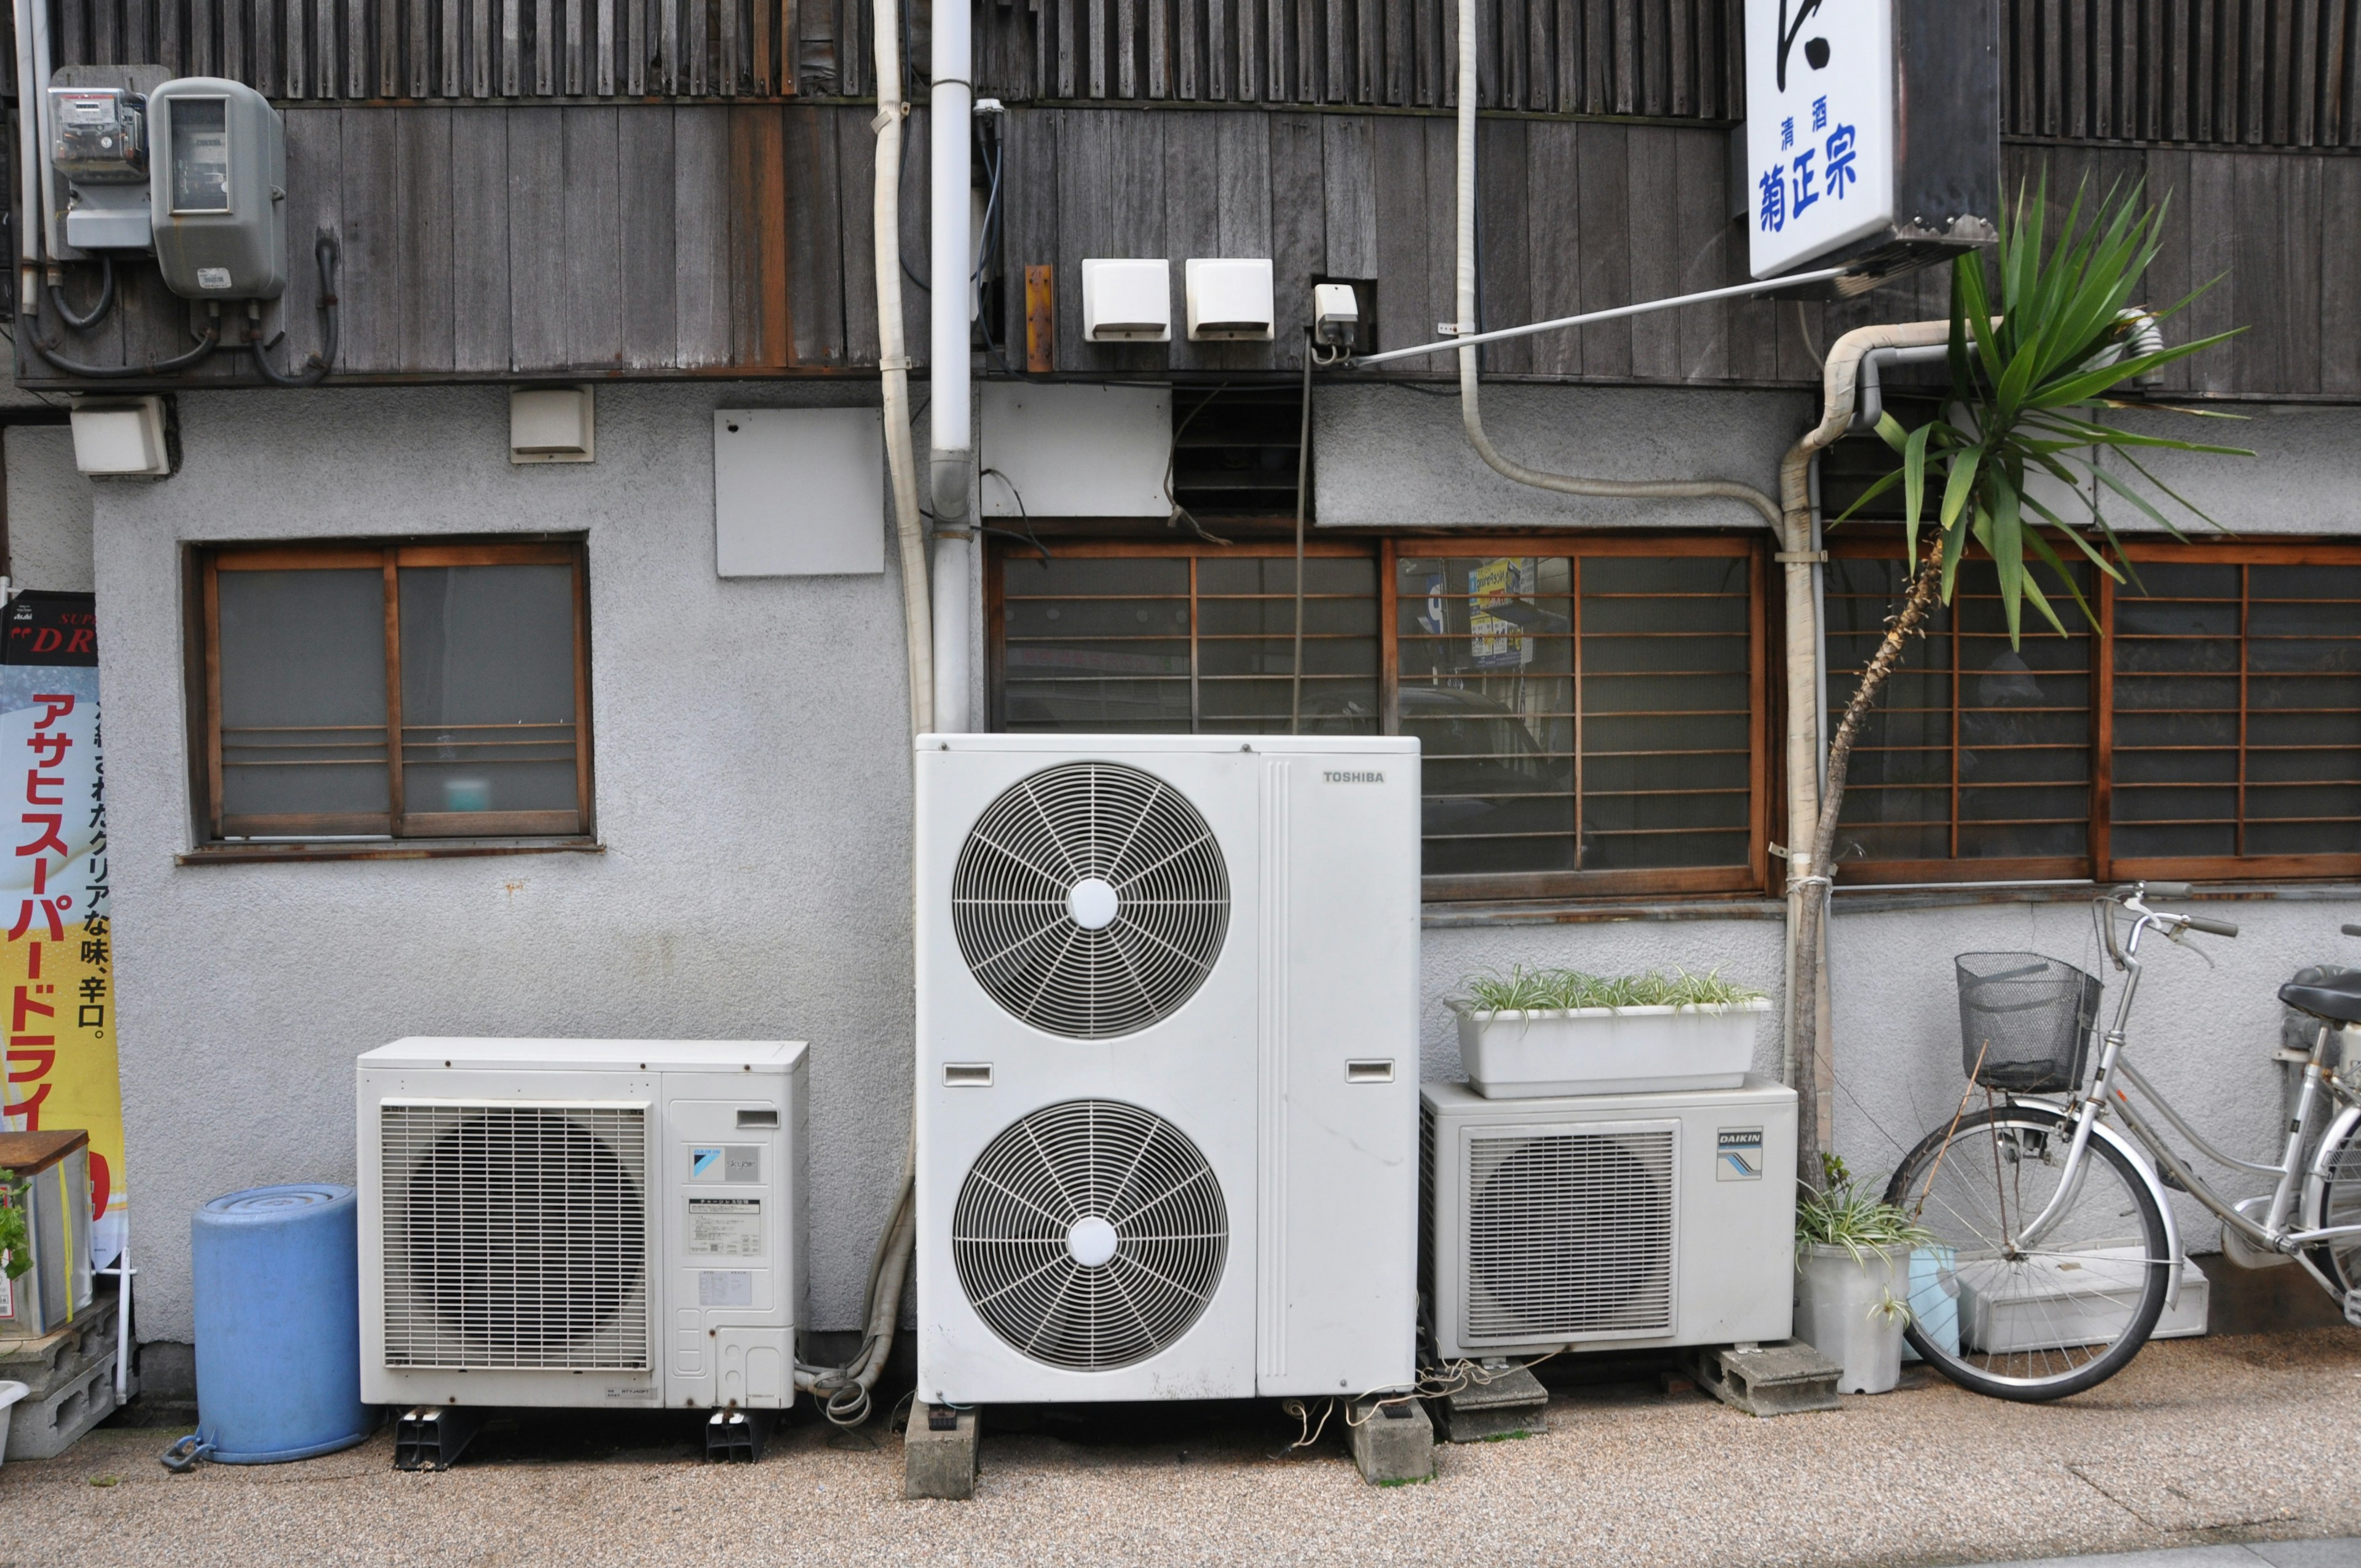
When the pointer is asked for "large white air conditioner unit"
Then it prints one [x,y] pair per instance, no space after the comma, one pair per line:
[1167,1052]
[604,1223]
[1607,1221]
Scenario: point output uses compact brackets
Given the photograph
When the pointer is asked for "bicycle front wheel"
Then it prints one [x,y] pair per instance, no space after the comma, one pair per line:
[2038,1321]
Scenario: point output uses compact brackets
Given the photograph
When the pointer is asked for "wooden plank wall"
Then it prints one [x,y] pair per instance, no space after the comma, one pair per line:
[1578,216]
[2256,72]
[375,50]
[599,239]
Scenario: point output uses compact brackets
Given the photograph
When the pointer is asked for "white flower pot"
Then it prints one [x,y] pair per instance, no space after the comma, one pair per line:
[1607,1050]
[1839,1312]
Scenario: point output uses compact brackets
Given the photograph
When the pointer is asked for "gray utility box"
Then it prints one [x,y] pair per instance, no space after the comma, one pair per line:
[219,193]
[98,141]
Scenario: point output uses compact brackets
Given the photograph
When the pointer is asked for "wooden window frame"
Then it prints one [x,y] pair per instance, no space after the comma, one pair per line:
[2100,864]
[1387,552]
[2026,868]
[397,825]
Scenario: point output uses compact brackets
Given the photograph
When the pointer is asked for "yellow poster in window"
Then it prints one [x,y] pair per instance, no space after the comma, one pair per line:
[56,962]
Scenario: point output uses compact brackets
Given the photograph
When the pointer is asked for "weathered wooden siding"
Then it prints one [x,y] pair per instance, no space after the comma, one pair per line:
[1578,216]
[632,239]
[656,240]
[2250,73]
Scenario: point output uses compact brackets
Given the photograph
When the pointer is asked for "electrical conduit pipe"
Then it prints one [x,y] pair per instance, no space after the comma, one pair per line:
[950,291]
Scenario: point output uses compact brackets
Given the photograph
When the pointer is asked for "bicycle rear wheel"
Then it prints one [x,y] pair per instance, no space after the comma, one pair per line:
[2039,1322]
[2339,1204]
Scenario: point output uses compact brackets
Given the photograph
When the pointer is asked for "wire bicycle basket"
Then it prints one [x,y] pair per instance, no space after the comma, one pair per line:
[2025,1021]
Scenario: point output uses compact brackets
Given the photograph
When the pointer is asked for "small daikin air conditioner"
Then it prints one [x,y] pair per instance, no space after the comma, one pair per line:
[1168,994]
[1608,1220]
[606,1223]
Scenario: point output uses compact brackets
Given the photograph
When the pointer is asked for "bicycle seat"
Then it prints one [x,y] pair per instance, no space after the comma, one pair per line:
[2335,996]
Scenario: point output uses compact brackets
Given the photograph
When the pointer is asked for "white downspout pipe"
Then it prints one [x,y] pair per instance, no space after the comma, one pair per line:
[894,366]
[950,424]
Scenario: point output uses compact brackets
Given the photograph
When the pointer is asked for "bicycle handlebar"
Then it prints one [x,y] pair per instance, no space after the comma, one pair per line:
[2213,927]
[2165,889]
[2353,930]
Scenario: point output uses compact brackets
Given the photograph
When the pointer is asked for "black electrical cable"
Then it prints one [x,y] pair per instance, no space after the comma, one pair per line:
[84,323]
[203,350]
[318,365]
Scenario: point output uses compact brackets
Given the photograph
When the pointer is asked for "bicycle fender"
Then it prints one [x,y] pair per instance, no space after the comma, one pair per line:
[2138,1156]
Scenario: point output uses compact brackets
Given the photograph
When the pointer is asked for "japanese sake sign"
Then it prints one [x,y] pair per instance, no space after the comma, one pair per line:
[1820,127]
[57,959]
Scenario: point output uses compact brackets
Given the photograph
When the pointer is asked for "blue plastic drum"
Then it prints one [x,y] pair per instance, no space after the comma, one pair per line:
[279,1328]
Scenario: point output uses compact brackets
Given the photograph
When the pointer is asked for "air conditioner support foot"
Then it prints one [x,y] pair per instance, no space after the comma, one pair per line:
[1391,1443]
[939,1451]
[431,1437]
[736,1437]
[1775,1379]
[1511,1404]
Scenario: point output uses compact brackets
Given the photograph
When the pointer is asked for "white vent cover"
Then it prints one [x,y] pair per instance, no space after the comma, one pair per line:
[1090,900]
[1090,1234]
[515,1236]
[1569,1234]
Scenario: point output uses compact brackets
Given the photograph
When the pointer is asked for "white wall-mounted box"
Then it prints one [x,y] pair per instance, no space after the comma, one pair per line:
[799,492]
[1070,450]
[553,424]
[1229,297]
[121,438]
[1126,301]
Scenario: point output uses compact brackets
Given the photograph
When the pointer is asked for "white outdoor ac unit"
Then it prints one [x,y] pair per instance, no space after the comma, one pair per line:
[604,1223]
[1167,992]
[1607,1221]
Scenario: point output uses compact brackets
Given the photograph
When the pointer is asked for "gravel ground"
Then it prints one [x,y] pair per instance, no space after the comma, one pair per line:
[2201,1441]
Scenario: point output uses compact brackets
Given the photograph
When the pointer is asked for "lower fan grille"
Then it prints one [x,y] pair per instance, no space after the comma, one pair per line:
[1569,1235]
[515,1236]
[1090,1234]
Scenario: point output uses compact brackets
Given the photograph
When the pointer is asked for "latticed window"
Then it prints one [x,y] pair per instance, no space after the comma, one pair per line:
[1593,714]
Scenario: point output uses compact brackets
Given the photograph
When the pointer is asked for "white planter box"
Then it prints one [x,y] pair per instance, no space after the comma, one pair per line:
[1607,1050]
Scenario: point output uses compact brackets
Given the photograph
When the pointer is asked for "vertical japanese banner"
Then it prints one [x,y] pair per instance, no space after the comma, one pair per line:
[57,964]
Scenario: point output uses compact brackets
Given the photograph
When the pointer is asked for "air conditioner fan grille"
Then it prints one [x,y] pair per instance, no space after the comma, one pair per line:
[1091,900]
[515,1236]
[1090,1234]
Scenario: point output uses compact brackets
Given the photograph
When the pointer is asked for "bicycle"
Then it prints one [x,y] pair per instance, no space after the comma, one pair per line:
[2056,1249]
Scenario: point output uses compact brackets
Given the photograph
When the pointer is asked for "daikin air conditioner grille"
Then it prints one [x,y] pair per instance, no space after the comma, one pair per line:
[1569,1234]
[1090,1234]
[1090,900]
[515,1236]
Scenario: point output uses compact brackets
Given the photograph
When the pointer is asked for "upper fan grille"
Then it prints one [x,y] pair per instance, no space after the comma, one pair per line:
[1091,900]
[1568,1234]
[1090,1234]
[515,1236]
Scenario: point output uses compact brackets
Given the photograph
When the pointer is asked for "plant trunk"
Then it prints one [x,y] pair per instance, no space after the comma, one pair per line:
[1811,1050]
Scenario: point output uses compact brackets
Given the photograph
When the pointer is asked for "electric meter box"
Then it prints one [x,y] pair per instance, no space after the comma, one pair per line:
[98,143]
[218,195]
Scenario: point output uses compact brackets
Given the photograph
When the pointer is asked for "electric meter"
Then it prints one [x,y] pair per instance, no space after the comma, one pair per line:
[98,143]
[217,191]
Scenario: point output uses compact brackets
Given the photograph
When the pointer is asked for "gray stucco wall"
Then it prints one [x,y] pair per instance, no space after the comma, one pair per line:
[752,795]
[48,511]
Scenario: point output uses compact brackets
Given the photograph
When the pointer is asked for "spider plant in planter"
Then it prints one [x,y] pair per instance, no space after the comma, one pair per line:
[1558,1031]
[1852,1276]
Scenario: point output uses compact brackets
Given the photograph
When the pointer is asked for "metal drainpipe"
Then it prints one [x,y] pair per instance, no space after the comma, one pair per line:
[894,368]
[949,422]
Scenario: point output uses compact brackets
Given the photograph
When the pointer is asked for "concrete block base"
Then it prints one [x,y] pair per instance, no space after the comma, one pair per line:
[1391,1444]
[939,1452]
[45,1427]
[431,1437]
[1779,1379]
[1513,1403]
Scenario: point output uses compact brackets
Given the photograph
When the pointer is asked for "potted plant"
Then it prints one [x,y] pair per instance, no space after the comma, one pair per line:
[1852,1278]
[1558,1031]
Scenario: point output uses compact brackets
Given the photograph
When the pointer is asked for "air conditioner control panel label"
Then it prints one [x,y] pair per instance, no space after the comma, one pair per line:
[725,1227]
[1737,1154]
[725,1288]
[739,1165]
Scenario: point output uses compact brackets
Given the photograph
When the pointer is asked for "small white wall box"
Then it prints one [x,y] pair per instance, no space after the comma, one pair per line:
[1128,302]
[1335,313]
[1068,450]
[121,438]
[217,193]
[799,492]
[1229,297]
[553,424]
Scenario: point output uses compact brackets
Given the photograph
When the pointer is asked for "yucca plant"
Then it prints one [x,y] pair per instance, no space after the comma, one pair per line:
[1839,1213]
[2030,373]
